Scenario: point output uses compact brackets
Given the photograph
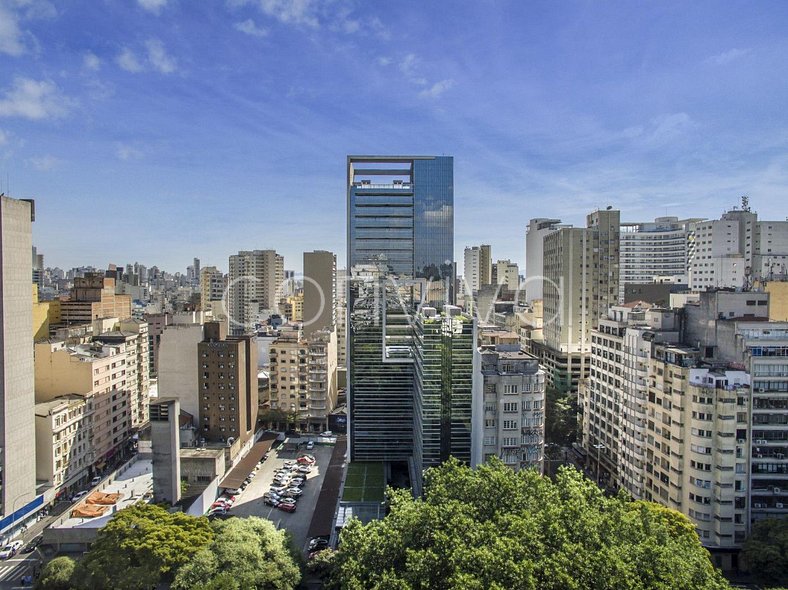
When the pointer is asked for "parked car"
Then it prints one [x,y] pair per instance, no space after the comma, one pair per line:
[10,549]
[79,495]
[95,481]
[32,545]
[310,445]
[305,469]
[316,542]
[293,492]
[306,460]
[271,501]
[327,433]
[289,463]
[297,482]
[288,501]
[287,507]
[232,491]
[277,489]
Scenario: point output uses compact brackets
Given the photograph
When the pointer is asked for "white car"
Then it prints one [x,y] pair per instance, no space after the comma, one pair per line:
[78,496]
[10,549]
[310,445]
[327,433]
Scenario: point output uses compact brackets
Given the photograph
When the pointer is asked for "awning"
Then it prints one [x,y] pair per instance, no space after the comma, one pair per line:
[240,472]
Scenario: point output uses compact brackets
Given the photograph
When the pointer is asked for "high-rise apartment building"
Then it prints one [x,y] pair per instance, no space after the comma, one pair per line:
[444,348]
[256,277]
[613,398]
[477,270]
[507,273]
[509,402]
[320,271]
[64,453]
[400,245]
[227,385]
[581,270]
[534,254]
[17,413]
[211,286]
[655,251]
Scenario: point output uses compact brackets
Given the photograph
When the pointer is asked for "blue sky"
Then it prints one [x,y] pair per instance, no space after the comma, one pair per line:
[159,130]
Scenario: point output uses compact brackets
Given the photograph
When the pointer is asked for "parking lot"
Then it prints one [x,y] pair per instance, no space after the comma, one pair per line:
[250,502]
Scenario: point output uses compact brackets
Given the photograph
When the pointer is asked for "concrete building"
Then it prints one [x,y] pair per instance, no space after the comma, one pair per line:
[64,454]
[509,401]
[582,265]
[227,385]
[157,322]
[322,385]
[212,285]
[655,251]
[165,447]
[93,297]
[98,372]
[507,274]
[613,398]
[778,301]
[534,254]
[444,348]
[477,270]
[17,399]
[320,271]
[255,282]
[696,446]
[293,308]
[178,363]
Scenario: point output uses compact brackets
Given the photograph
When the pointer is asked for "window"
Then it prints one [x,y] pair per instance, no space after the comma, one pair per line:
[510,407]
[510,424]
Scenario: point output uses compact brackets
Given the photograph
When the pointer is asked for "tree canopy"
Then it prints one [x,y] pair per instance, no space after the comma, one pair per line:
[492,528]
[57,574]
[142,545]
[766,551]
[245,554]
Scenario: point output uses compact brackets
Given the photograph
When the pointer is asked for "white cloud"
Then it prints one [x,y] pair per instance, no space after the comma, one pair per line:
[384,61]
[727,57]
[295,12]
[45,163]
[128,61]
[31,99]
[11,42]
[127,152]
[250,28]
[437,89]
[90,61]
[153,6]
[159,58]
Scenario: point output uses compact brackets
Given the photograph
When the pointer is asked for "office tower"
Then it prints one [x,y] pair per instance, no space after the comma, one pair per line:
[93,297]
[17,418]
[227,385]
[534,254]
[655,251]
[737,249]
[507,273]
[696,448]
[96,371]
[320,268]
[400,245]
[165,447]
[478,268]
[256,278]
[509,399]
[581,283]
[444,348]
[211,286]
[613,398]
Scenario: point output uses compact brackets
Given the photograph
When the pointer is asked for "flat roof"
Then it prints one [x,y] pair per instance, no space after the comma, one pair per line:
[192,453]
[239,473]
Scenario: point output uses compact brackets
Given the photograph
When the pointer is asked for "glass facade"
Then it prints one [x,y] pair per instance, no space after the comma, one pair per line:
[400,253]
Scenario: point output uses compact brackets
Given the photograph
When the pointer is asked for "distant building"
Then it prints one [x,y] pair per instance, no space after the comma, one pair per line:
[534,255]
[477,269]
[320,268]
[256,278]
[508,274]
[212,285]
[93,297]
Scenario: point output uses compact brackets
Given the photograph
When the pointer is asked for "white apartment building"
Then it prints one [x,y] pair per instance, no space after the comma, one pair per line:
[64,454]
[255,285]
[507,273]
[477,269]
[509,398]
[534,254]
[613,398]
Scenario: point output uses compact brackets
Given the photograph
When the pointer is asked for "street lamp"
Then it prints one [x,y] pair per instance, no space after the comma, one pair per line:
[598,447]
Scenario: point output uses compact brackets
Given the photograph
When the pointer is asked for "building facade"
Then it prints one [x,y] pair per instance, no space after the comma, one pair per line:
[477,269]
[64,453]
[212,285]
[320,272]
[255,281]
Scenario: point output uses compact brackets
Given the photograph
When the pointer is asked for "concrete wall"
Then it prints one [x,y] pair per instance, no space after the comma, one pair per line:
[178,364]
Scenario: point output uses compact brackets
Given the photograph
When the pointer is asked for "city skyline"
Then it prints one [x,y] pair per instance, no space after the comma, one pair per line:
[185,120]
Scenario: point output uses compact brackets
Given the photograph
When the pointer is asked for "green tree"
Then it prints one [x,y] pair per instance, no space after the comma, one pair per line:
[57,574]
[141,546]
[766,551]
[492,528]
[249,553]
[560,417]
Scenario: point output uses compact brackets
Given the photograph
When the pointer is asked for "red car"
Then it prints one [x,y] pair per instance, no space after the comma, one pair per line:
[287,507]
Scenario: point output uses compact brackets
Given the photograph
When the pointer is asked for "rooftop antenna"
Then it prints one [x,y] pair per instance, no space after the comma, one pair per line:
[745,203]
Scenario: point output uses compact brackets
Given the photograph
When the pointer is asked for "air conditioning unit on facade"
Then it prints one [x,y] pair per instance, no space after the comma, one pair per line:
[741,441]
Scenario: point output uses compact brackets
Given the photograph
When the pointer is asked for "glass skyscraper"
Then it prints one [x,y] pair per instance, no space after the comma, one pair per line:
[400,254]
